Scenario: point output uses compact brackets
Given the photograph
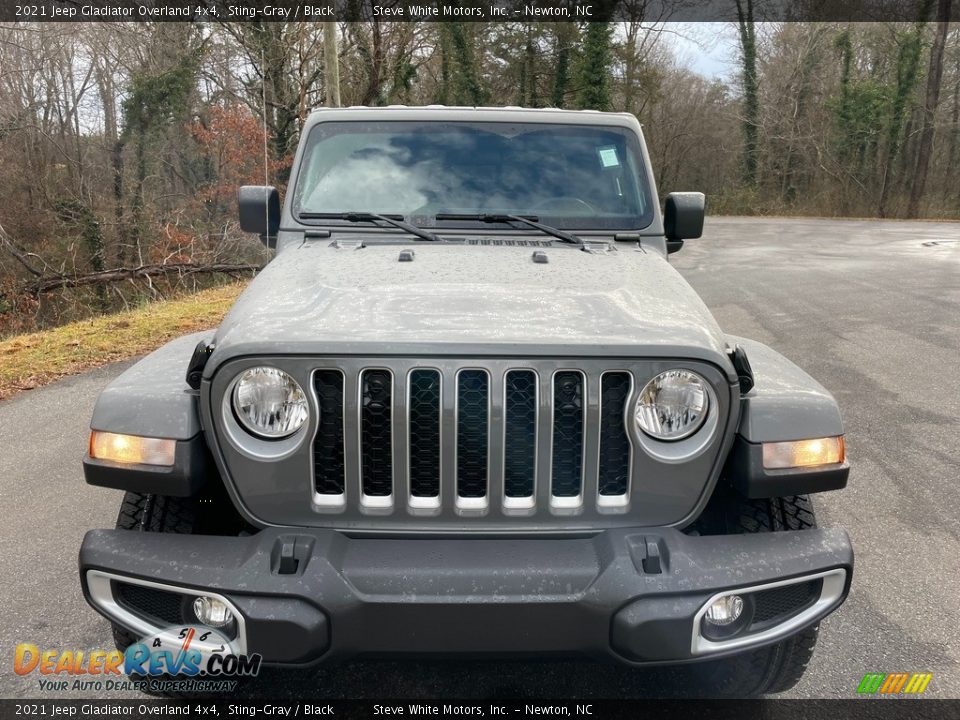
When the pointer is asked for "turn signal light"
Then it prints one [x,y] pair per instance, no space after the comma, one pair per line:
[132,449]
[803,453]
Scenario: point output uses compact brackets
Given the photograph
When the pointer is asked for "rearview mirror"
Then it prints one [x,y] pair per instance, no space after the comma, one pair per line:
[683,215]
[260,211]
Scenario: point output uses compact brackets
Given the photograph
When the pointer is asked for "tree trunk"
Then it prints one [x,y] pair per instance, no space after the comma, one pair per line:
[934,79]
[467,88]
[908,63]
[594,91]
[116,161]
[751,102]
[565,38]
[954,154]
[331,64]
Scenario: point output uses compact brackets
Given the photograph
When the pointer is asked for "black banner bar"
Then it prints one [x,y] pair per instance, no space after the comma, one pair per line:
[854,709]
[465,10]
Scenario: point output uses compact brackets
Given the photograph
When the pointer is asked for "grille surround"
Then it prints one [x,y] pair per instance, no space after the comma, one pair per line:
[269,489]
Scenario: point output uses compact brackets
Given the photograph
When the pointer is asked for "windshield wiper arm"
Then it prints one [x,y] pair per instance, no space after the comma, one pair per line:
[354,217]
[531,220]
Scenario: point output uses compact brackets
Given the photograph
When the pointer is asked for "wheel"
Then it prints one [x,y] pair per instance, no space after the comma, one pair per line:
[777,667]
[153,513]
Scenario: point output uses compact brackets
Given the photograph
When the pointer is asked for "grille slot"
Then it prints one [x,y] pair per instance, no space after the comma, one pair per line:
[568,425]
[614,465]
[473,401]
[328,445]
[376,431]
[424,433]
[520,433]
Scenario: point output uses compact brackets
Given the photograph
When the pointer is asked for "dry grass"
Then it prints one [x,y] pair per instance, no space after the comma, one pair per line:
[29,361]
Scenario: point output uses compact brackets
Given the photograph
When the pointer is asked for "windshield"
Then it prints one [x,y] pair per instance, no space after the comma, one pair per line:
[573,176]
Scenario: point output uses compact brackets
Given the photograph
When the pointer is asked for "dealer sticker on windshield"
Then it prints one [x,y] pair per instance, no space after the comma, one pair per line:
[608,156]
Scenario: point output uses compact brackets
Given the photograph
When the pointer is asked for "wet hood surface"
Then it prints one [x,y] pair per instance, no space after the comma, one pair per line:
[469,300]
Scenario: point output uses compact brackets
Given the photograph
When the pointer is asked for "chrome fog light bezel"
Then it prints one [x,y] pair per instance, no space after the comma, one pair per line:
[832,592]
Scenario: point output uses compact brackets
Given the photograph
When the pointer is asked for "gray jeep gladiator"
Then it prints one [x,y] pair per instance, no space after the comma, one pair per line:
[469,408]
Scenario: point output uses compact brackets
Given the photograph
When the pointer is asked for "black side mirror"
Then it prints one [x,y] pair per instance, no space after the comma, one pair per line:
[683,218]
[260,211]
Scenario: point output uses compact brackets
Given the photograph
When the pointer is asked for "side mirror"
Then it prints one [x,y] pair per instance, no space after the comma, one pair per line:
[683,218]
[260,211]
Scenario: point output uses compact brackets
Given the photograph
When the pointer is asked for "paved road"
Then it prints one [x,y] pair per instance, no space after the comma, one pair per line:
[871,309]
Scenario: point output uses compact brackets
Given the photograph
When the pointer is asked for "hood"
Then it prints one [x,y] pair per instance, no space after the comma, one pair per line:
[469,300]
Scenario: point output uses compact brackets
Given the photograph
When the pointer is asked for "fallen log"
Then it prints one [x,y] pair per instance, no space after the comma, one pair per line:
[56,282]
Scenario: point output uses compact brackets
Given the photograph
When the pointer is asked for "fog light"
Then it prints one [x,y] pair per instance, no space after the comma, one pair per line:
[725,610]
[212,612]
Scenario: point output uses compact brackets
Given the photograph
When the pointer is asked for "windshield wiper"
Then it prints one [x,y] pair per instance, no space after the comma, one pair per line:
[531,220]
[355,217]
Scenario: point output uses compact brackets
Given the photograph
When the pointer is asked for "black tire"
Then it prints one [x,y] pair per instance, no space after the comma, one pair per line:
[153,513]
[778,667]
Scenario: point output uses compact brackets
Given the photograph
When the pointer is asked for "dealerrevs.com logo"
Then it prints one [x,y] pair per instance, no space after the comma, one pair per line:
[188,658]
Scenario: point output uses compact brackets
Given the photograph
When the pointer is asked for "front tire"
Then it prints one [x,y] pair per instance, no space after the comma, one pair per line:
[778,667]
[153,513]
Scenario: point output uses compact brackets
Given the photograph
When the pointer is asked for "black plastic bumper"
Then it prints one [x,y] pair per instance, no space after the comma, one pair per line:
[320,594]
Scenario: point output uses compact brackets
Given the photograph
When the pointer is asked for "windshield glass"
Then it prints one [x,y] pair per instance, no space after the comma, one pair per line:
[573,176]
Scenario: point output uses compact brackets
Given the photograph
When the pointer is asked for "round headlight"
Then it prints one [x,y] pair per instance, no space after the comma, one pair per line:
[269,403]
[673,405]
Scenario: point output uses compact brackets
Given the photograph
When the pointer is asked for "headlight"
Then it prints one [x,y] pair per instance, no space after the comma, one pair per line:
[269,403]
[673,405]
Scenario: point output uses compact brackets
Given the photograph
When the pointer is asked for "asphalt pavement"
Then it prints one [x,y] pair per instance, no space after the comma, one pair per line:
[869,308]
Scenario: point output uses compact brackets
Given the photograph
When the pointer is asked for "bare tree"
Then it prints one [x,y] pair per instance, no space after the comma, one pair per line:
[934,80]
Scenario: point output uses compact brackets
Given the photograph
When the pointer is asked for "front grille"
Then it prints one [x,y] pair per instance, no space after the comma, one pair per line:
[471,432]
[445,439]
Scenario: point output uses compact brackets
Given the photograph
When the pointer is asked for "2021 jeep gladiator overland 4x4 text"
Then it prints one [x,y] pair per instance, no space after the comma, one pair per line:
[470,407]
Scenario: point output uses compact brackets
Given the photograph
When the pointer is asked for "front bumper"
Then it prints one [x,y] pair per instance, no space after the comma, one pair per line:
[632,595]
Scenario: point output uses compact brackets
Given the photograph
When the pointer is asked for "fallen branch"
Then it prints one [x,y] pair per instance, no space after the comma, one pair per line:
[19,255]
[49,283]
